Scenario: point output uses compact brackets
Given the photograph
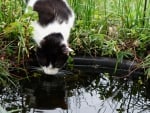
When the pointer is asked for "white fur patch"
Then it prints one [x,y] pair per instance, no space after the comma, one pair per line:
[40,32]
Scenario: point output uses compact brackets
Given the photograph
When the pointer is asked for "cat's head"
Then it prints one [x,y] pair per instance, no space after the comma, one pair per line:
[52,53]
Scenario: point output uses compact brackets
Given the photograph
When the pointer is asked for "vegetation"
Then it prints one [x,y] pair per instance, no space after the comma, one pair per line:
[113,28]
[15,33]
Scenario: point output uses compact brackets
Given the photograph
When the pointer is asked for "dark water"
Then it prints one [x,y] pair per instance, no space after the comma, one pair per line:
[77,93]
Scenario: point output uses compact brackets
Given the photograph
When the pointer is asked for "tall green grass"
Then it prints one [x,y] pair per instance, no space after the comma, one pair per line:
[115,28]
[15,33]
[113,24]
[10,11]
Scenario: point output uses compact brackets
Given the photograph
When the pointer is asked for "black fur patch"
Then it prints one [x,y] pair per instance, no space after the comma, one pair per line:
[52,51]
[50,10]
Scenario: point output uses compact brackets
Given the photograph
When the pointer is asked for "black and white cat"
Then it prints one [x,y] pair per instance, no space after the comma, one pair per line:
[51,33]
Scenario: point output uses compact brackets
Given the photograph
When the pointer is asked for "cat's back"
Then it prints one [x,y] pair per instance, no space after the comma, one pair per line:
[54,16]
[51,10]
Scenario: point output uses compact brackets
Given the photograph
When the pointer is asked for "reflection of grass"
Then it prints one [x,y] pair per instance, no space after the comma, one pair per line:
[2,110]
[124,95]
[116,28]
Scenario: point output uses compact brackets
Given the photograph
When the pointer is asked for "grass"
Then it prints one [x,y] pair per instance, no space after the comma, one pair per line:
[112,28]
[113,25]
[15,41]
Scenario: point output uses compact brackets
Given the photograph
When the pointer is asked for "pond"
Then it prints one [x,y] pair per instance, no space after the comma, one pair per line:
[77,93]
[91,87]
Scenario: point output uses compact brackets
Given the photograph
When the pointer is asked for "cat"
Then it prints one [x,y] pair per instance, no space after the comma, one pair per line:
[51,33]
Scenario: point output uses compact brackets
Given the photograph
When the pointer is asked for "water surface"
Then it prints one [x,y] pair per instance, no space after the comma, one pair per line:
[77,93]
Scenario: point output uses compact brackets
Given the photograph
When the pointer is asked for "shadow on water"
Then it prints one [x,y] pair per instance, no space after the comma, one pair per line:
[78,93]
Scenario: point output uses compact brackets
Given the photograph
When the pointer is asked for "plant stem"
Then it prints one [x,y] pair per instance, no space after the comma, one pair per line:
[144,12]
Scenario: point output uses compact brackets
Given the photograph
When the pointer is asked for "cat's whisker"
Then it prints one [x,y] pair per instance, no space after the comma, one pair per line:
[35,68]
